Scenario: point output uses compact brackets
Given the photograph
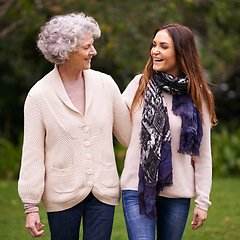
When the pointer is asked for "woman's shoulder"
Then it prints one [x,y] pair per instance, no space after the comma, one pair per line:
[36,89]
[101,77]
[136,79]
[97,74]
[102,81]
[133,85]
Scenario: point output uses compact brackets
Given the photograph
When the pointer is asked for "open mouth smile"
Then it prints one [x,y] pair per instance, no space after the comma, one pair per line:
[88,59]
[158,60]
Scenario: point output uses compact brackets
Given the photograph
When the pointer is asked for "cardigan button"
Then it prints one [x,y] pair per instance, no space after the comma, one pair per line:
[89,184]
[87,143]
[88,156]
[89,171]
[85,129]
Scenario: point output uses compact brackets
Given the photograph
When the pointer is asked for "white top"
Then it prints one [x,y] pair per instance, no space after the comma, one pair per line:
[187,183]
[67,155]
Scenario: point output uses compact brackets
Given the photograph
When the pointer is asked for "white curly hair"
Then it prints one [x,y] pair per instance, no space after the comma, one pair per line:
[63,34]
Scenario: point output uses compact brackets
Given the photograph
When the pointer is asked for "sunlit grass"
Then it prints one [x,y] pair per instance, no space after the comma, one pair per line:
[223,222]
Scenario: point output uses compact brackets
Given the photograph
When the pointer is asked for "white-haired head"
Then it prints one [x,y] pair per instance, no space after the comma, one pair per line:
[63,34]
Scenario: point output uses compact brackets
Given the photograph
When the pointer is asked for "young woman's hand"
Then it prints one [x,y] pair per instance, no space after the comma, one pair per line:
[34,225]
[199,217]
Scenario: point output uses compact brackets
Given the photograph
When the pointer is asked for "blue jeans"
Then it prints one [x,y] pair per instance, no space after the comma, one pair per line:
[172,215]
[97,221]
[138,226]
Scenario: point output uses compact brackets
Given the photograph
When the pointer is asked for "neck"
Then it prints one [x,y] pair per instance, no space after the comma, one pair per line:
[69,73]
[176,73]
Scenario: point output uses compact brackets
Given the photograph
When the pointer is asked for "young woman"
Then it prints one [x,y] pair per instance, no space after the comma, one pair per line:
[168,161]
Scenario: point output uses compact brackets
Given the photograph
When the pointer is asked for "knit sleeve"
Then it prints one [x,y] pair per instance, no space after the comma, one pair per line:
[203,166]
[31,178]
[130,91]
[121,123]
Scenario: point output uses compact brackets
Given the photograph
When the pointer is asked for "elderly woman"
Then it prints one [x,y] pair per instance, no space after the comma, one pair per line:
[69,116]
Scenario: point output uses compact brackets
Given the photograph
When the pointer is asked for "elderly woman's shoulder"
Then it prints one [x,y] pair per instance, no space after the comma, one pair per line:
[103,77]
[43,83]
[97,73]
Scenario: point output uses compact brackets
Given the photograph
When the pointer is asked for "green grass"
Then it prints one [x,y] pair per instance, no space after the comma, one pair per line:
[223,222]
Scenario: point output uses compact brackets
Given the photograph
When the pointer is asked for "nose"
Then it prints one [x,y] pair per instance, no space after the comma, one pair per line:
[155,50]
[93,51]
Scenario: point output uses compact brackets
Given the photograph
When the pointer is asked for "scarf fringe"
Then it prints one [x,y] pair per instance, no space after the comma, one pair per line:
[155,170]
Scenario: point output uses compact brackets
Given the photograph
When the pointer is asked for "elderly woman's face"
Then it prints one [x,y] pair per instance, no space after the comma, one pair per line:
[82,57]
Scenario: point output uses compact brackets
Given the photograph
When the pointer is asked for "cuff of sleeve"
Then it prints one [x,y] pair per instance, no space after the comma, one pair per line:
[202,207]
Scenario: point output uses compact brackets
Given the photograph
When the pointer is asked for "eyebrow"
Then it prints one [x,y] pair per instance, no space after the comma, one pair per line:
[160,42]
[88,44]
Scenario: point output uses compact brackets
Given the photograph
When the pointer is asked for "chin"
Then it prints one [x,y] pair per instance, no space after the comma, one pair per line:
[157,69]
[87,67]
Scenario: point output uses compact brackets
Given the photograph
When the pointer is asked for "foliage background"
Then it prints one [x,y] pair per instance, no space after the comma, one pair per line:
[127,27]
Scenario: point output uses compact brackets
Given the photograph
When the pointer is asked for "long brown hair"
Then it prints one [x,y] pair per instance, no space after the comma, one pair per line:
[189,63]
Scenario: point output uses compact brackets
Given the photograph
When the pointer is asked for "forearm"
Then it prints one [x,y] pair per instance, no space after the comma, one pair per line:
[203,168]
[32,171]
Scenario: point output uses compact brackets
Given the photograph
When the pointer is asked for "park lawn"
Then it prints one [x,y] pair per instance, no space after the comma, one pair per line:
[223,222]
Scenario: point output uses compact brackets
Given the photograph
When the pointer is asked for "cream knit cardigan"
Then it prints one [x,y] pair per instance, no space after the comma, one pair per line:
[67,155]
[187,181]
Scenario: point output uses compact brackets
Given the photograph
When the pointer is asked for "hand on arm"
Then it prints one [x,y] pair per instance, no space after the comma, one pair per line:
[34,225]
[199,217]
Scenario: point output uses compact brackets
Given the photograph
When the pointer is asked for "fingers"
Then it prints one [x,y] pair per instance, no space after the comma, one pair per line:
[34,231]
[197,224]
[199,217]
[33,225]
[39,226]
[192,162]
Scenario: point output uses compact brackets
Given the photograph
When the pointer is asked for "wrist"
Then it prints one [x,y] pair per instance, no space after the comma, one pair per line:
[30,208]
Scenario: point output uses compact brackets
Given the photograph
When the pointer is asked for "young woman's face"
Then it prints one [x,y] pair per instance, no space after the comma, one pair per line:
[82,57]
[163,54]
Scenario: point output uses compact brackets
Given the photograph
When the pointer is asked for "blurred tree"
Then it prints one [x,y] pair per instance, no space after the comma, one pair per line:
[127,29]
[19,62]
[216,23]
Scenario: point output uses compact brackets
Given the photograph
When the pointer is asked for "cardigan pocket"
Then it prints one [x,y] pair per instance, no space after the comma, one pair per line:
[63,180]
[109,176]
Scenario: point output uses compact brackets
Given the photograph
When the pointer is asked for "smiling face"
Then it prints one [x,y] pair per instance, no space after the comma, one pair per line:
[81,58]
[163,54]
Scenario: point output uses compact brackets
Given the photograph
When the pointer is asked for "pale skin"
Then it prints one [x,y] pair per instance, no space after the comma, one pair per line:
[33,224]
[71,73]
[164,59]
[199,217]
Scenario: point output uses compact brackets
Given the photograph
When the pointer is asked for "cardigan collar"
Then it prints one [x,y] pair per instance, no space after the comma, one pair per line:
[62,94]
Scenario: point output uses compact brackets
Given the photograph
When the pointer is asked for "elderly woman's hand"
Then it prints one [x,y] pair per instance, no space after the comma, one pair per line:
[33,224]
